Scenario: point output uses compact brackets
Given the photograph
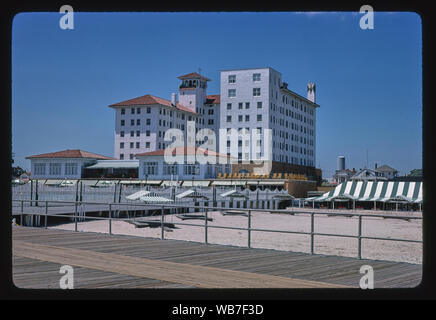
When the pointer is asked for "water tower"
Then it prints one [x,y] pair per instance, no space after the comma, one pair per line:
[341,163]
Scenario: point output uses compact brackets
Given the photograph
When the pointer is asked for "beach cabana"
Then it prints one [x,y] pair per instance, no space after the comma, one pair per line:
[369,193]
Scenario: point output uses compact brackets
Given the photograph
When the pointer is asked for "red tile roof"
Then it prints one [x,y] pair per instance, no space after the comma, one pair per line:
[183,151]
[148,99]
[193,75]
[213,99]
[70,154]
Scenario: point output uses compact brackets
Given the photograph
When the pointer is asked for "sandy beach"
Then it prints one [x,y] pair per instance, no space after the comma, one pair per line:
[372,226]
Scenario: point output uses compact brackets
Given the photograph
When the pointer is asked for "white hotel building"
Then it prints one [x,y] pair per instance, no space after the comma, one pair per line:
[250,99]
[259,99]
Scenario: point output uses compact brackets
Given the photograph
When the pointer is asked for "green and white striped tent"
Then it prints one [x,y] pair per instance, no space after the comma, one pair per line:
[380,191]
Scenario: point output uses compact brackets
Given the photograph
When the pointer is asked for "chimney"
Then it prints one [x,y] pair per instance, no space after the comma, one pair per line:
[174,99]
[311,92]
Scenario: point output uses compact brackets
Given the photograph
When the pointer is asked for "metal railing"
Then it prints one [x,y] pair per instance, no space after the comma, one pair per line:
[116,206]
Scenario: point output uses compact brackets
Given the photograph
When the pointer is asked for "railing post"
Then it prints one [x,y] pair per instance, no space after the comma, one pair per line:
[162,224]
[249,228]
[22,213]
[75,216]
[359,239]
[46,213]
[110,218]
[312,231]
[205,228]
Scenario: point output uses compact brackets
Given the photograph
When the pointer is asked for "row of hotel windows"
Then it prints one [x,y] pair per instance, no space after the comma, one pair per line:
[294,160]
[56,168]
[247,105]
[247,118]
[132,110]
[132,145]
[292,148]
[291,114]
[293,103]
[152,168]
[232,77]
[231,93]
[293,126]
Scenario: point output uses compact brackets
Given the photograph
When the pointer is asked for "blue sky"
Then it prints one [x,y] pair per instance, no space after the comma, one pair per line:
[369,82]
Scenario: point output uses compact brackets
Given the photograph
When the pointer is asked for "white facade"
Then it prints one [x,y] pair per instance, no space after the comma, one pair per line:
[59,168]
[141,123]
[154,167]
[259,99]
[132,137]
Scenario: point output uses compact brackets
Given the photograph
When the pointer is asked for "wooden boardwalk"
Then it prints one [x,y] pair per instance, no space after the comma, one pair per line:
[116,261]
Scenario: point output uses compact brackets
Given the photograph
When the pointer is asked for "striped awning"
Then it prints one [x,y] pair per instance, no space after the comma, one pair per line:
[381,191]
[191,193]
[155,199]
[138,195]
[233,194]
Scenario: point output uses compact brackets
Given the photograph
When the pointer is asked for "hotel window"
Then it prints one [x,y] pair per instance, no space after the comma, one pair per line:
[148,122]
[170,169]
[247,105]
[138,122]
[123,111]
[232,93]
[70,169]
[132,122]
[147,133]
[259,117]
[210,121]
[138,110]
[150,168]
[121,134]
[138,133]
[131,145]
[232,78]
[191,169]
[256,76]
[121,156]
[256,92]
[259,105]
[240,118]
[122,122]
[39,168]
[147,145]
[229,118]
[133,110]
[148,110]
[121,145]
[229,106]
[240,105]
[210,111]
[131,156]
[132,133]
[137,145]
[54,168]
[247,117]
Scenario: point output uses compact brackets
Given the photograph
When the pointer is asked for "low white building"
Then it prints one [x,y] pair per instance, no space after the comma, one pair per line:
[153,165]
[66,164]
